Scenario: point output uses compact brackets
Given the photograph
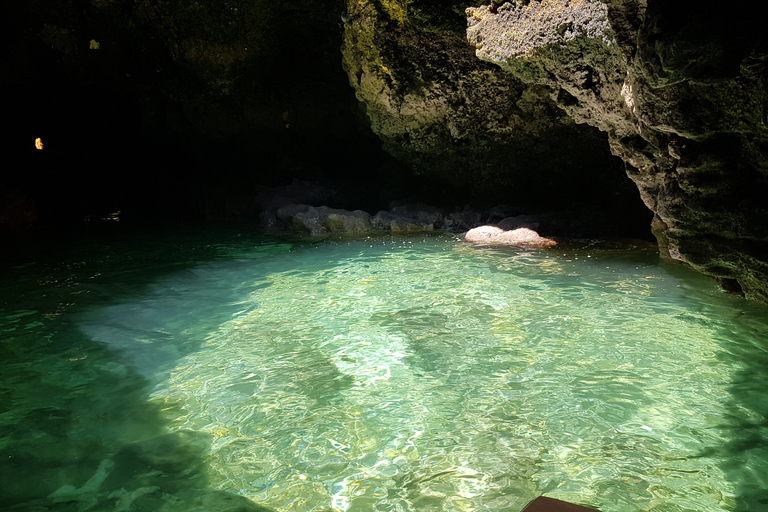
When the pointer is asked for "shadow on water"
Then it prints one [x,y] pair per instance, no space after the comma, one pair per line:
[746,453]
[741,326]
[427,333]
[79,433]
[78,430]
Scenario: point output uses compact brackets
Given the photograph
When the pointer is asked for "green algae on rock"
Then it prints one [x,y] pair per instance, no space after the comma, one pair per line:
[468,126]
[684,111]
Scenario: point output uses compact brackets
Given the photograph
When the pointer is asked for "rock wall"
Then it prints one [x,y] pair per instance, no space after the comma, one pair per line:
[680,89]
[476,131]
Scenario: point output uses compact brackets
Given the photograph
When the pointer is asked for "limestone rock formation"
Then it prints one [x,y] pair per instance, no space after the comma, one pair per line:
[473,129]
[680,89]
[520,237]
[322,219]
[388,221]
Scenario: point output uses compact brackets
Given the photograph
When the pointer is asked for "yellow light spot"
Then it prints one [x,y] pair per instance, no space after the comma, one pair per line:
[94,44]
[39,143]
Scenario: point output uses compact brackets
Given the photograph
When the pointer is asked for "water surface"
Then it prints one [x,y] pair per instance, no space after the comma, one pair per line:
[203,369]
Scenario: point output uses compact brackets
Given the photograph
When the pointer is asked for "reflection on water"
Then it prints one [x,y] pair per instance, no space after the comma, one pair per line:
[414,374]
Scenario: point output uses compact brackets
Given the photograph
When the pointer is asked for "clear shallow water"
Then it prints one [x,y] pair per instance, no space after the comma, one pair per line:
[388,374]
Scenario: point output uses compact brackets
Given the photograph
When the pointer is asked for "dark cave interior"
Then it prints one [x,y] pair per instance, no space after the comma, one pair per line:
[126,128]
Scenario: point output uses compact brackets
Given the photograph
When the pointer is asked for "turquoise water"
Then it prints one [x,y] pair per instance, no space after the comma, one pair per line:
[211,370]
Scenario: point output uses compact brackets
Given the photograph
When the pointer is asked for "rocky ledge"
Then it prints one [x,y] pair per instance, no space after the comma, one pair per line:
[501,225]
[322,220]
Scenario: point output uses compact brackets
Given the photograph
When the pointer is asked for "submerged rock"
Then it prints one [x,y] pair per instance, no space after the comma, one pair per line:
[193,500]
[494,235]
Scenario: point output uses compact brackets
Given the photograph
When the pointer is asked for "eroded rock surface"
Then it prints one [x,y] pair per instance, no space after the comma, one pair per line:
[321,220]
[680,89]
[520,237]
[388,221]
[475,130]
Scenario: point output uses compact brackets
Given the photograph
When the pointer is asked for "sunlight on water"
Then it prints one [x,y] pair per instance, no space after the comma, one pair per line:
[422,374]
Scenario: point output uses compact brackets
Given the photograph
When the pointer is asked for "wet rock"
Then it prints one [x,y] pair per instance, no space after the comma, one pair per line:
[494,235]
[269,221]
[388,221]
[308,219]
[343,221]
[300,217]
[323,220]
[299,192]
[320,220]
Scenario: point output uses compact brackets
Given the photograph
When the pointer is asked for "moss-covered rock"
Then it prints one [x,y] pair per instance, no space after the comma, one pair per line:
[474,130]
[680,89]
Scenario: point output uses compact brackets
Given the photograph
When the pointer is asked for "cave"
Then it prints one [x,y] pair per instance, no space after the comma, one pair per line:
[541,223]
[164,114]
